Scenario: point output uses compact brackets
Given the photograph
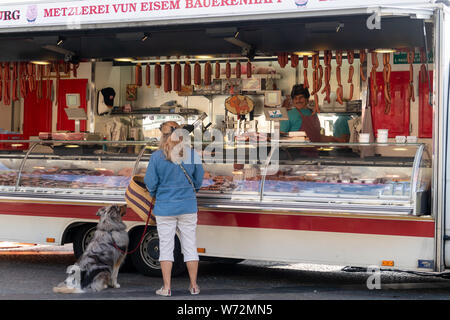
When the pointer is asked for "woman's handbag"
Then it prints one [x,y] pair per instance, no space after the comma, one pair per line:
[139,199]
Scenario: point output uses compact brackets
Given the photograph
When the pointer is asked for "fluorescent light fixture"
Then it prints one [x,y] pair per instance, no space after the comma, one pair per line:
[384,50]
[124,59]
[305,53]
[204,57]
[40,62]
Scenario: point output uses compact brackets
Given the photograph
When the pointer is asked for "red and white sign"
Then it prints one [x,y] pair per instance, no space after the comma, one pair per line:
[74,14]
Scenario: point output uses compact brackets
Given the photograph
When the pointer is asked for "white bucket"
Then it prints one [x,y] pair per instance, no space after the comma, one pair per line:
[382,135]
[364,137]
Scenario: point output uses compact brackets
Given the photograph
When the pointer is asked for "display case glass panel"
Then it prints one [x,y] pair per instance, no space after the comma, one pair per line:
[357,173]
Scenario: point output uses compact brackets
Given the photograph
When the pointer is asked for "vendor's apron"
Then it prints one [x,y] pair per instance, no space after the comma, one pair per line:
[311,126]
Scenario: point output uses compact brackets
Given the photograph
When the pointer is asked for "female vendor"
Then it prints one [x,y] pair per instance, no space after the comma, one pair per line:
[301,118]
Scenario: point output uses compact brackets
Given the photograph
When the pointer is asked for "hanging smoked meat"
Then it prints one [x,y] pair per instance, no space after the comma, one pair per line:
[339,90]
[177,77]
[238,69]
[7,80]
[294,60]
[187,74]
[208,73]
[14,95]
[75,70]
[138,75]
[351,70]
[167,77]
[157,72]
[197,74]
[317,81]
[327,57]
[283,59]
[305,72]
[249,69]
[228,70]
[23,79]
[387,84]
[147,75]
[423,67]
[410,56]
[373,80]
[217,71]
[362,59]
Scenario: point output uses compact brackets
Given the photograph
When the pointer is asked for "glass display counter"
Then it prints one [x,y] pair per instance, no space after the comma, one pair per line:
[328,178]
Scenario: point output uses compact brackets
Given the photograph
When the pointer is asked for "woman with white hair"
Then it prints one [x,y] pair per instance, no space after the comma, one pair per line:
[174,175]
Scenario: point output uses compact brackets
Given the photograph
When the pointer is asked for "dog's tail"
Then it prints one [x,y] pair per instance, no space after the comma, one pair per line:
[63,288]
[72,284]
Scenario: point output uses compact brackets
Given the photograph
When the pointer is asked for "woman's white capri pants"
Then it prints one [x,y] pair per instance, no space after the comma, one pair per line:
[187,225]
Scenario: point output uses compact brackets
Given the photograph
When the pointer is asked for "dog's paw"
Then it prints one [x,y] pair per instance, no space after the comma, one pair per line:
[116,285]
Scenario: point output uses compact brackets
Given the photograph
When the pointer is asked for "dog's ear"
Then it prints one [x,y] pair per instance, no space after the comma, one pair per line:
[101,211]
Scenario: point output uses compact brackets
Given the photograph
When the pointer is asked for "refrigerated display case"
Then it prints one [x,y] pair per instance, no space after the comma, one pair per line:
[358,178]
[393,179]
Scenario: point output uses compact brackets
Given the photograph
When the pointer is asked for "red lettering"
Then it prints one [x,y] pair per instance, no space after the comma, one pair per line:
[144,6]
[175,4]
[189,4]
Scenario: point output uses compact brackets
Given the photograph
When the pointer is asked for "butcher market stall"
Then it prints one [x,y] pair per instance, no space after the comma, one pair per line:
[86,86]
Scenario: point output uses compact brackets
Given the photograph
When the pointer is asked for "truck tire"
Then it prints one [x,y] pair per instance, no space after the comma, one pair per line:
[146,258]
[82,237]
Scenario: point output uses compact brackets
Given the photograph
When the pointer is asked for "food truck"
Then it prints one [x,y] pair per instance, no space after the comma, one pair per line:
[85,86]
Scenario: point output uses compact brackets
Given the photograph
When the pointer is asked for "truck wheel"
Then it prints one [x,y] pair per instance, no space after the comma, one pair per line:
[146,258]
[82,238]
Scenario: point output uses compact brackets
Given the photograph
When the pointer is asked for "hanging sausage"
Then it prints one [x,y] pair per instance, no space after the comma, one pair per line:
[249,69]
[373,80]
[317,81]
[187,73]
[387,84]
[7,79]
[147,75]
[238,69]
[362,59]
[14,95]
[167,77]
[228,70]
[339,90]
[283,59]
[75,70]
[423,67]
[177,77]
[197,74]
[208,73]
[410,56]
[327,56]
[138,75]
[305,72]
[157,74]
[294,60]
[217,70]
[351,70]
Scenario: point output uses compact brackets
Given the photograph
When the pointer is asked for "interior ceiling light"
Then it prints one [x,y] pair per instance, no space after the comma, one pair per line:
[305,53]
[384,50]
[40,62]
[204,57]
[60,41]
[124,59]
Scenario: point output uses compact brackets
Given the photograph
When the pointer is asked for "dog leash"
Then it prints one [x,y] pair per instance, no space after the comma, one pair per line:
[140,241]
